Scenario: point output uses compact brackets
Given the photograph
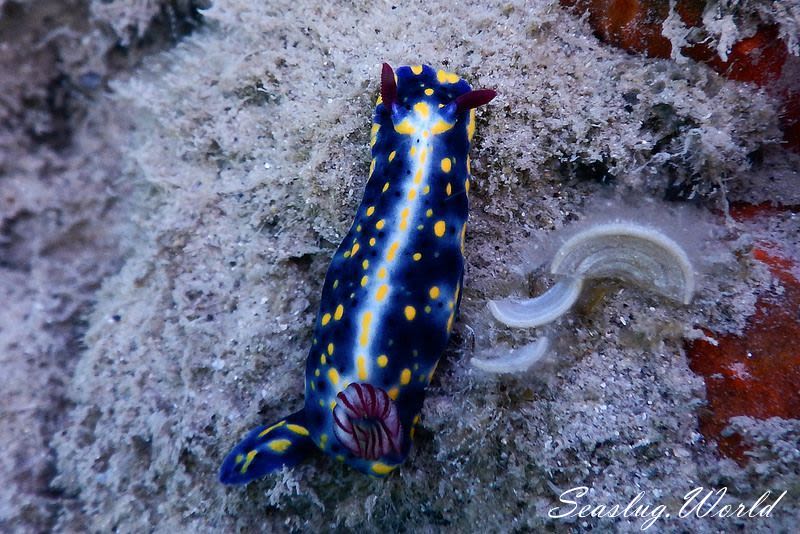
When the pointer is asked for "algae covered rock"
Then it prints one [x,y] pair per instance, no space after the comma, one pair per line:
[205,200]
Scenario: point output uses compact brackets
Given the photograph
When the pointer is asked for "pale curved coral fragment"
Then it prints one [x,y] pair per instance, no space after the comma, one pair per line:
[540,310]
[517,361]
[630,252]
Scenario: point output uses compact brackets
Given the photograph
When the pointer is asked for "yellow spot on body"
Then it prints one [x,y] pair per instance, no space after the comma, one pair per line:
[393,393]
[382,273]
[429,213]
[321,402]
[365,264]
[379,100]
[339,312]
[372,166]
[370,211]
[422,109]
[439,228]
[381,294]
[451,305]
[358,228]
[362,368]
[392,154]
[323,439]
[417,256]
[416,420]
[335,284]
[410,312]
[449,189]
[385,187]
[404,218]
[463,236]
[364,280]
[392,251]
[466,185]
[416,69]
[347,254]
[412,194]
[418,177]
[446,165]
[374,129]
[446,77]
[405,376]
[381,468]
[434,292]
[420,227]
[382,360]
[380,224]
[330,349]
[354,249]
[239,458]
[423,155]
[405,127]
[471,125]
[426,190]
[413,151]
[412,432]
[327,317]
[366,319]
[297,429]
[270,429]
[425,134]
[332,404]
[372,241]
[441,126]
[248,461]
[323,359]
[316,373]
[333,376]
[428,309]
[450,322]
[280,445]
[429,91]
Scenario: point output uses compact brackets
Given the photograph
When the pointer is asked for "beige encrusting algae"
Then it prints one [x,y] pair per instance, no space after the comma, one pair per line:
[248,156]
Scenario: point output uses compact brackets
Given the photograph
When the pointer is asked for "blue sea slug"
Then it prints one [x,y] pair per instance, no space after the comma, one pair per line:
[391,292]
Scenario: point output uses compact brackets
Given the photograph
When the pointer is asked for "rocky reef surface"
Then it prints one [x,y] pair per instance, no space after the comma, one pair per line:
[173,185]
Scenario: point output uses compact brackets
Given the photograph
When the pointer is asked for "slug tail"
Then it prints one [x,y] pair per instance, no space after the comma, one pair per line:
[266,449]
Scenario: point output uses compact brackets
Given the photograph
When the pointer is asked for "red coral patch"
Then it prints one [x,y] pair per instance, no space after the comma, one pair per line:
[636,26]
[758,373]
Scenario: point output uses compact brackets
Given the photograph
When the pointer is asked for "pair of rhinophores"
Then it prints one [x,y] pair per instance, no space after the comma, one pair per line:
[392,290]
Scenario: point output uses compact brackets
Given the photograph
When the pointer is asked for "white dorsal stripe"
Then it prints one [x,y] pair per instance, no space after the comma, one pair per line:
[395,234]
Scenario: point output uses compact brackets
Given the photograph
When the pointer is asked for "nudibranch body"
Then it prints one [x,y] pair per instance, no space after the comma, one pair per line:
[392,290]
